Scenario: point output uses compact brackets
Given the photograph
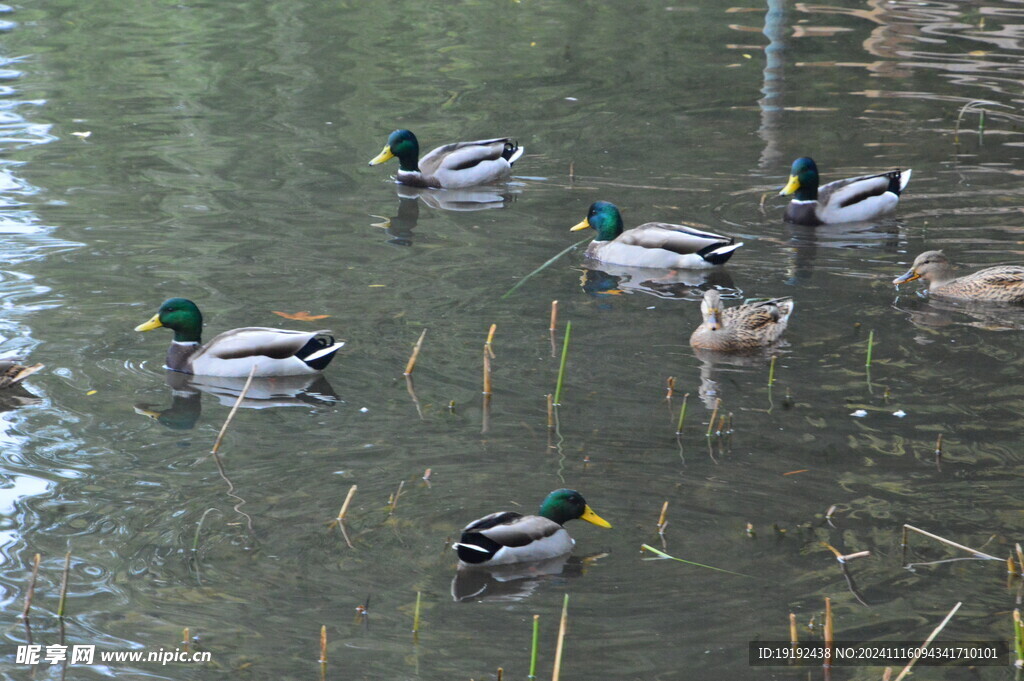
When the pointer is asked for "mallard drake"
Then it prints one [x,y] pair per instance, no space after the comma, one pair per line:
[509,537]
[745,328]
[453,166]
[12,372]
[653,244]
[852,200]
[274,352]
[1003,283]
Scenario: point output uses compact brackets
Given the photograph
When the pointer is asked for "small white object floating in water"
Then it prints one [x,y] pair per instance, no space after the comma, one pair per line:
[860,413]
[899,413]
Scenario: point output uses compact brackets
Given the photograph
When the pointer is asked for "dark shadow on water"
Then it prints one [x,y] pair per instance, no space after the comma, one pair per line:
[512,582]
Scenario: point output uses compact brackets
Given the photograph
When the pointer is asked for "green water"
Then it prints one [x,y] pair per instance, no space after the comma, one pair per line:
[226,161]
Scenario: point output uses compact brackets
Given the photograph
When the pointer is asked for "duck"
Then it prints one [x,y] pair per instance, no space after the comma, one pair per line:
[453,166]
[745,328]
[509,537]
[652,244]
[855,199]
[274,352]
[1002,283]
[12,372]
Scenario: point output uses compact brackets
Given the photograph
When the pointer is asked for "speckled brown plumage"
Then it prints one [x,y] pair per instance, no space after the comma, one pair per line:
[12,373]
[745,328]
[1002,284]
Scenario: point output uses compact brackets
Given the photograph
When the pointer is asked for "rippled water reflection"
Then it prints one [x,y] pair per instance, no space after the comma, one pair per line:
[219,151]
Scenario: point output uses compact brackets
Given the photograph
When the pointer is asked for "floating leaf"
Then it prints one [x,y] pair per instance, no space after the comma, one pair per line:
[303,316]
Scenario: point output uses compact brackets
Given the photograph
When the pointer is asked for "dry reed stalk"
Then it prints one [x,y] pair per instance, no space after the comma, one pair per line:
[714,415]
[829,633]
[1011,565]
[415,354]
[31,587]
[186,638]
[551,411]
[938,445]
[562,625]
[1020,556]
[670,385]
[323,645]
[554,316]
[927,641]
[794,637]
[348,500]
[500,673]
[64,585]
[661,518]
[852,556]
[394,499]
[937,538]
[234,410]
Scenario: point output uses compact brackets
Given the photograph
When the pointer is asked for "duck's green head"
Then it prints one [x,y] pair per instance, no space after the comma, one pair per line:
[803,180]
[564,505]
[402,145]
[604,217]
[180,315]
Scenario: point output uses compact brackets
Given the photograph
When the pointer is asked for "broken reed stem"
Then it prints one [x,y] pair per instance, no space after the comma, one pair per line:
[1011,565]
[714,415]
[1020,556]
[500,673]
[682,415]
[64,585]
[561,365]
[1018,638]
[394,499]
[938,445]
[199,528]
[551,411]
[186,638]
[323,645]
[794,637]
[927,641]
[348,500]
[771,372]
[488,354]
[31,587]
[415,354]
[416,614]
[557,671]
[937,538]
[234,410]
[554,316]
[871,346]
[533,647]
[661,518]
[829,632]
[670,386]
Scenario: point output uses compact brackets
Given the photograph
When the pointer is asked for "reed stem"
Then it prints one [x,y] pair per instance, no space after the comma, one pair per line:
[562,625]
[554,316]
[64,585]
[31,587]
[871,346]
[771,372]
[416,614]
[561,365]
[794,636]
[415,354]
[1018,638]
[670,385]
[682,415]
[348,500]
[714,416]
[937,538]
[551,411]
[927,641]
[234,410]
[533,647]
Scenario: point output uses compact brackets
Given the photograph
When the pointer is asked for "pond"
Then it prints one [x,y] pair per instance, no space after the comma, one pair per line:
[218,151]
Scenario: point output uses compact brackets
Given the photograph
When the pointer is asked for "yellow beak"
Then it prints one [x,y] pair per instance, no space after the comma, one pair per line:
[591,517]
[791,186]
[582,225]
[153,323]
[384,155]
[911,275]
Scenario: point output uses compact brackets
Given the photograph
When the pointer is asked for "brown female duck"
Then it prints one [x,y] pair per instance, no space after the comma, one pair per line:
[746,328]
[1003,283]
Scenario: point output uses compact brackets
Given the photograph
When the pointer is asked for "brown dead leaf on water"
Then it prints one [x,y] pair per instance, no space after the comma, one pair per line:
[303,316]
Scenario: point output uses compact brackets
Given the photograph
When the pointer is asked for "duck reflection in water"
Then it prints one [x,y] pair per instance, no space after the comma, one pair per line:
[264,393]
[515,582]
[401,225]
[603,279]
[804,243]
